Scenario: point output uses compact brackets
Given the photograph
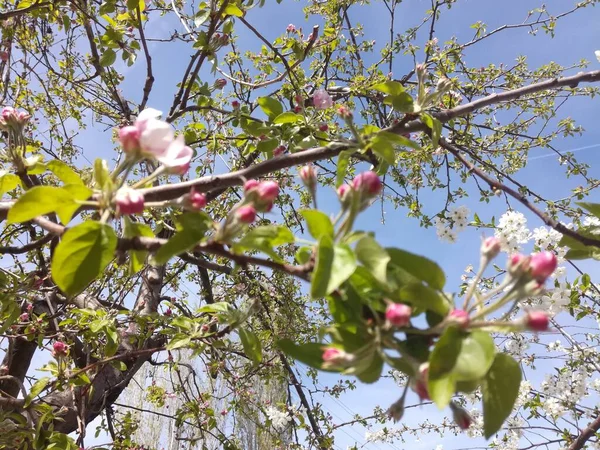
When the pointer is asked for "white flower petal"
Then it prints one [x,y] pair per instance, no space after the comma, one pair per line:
[156,137]
[598,55]
[148,113]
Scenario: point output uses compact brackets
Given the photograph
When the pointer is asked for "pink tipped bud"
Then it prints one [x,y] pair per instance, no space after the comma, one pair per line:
[235,104]
[419,383]
[290,28]
[168,312]
[60,348]
[29,307]
[537,321]
[344,192]
[198,200]
[129,137]
[246,214]
[297,109]
[398,314]
[490,247]
[279,150]
[129,201]
[323,127]
[8,113]
[542,265]
[322,100]
[220,83]
[335,357]
[251,184]
[268,191]
[308,175]
[3,56]
[518,264]
[24,317]
[461,416]
[459,316]
[367,182]
[344,113]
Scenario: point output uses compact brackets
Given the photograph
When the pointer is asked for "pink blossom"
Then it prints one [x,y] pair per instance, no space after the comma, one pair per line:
[490,247]
[246,214]
[367,182]
[176,157]
[8,113]
[290,28]
[59,348]
[235,104]
[168,312]
[198,200]
[308,175]
[155,135]
[537,320]
[460,317]
[398,314]
[322,100]
[251,184]
[268,191]
[24,317]
[129,137]
[518,264]
[323,127]
[419,384]
[129,201]
[3,56]
[542,265]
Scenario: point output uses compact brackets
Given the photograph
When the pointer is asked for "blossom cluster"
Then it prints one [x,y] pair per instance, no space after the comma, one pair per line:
[448,228]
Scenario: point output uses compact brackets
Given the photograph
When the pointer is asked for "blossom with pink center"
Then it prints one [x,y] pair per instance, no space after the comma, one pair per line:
[268,191]
[290,28]
[322,100]
[542,265]
[537,320]
[129,137]
[398,314]
[155,135]
[129,201]
[246,214]
[251,184]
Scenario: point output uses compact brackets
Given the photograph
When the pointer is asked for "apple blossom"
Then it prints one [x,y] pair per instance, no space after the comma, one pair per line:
[322,100]
[542,265]
[129,201]
[246,214]
[398,314]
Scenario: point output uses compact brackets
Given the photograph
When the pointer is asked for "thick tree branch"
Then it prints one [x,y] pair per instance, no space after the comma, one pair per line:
[585,435]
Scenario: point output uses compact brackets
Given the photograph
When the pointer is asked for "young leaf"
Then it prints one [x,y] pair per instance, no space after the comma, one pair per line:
[319,224]
[500,389]
[108,57]
[270,106]
[191,230]
[373,257]
[418,266]
[342,167]
[343,265]
[233,10]
[322,272]
[37,387]
[435,125]
[40,200]
[251,345]
[265,238]
[137,258]
[64,172]
[287,117]
[476,356]
[593,208]
[8,181]
[441,383]
[82,255]
[389,87]
[424,297]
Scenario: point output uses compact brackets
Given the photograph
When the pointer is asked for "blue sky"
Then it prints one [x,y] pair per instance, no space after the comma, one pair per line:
[578,36]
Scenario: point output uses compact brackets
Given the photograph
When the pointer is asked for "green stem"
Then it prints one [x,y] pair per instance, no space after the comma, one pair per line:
[150,177]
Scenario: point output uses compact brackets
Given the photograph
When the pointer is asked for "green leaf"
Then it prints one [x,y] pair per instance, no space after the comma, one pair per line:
[179,341]
[310,354]
[8,182]
[389,87]
[233,10]
[37,387]
[343,266]
[383,148]
[137,258]
[193,227]
[64,173]
[435,125]
[398,139]
[303,255]
[108,57]
[251,344]
[500,389]
[79,192]
[101,173]
[287,117]
[402,102]
[476,356]
[322,271]
[422,296]
[265,238]
[422,268]
[319,224]
[40,200]
[373,257]
[441,382]
[82,255]
[132,4]
[270,106]
[267,146]
[593,208]
[342,167]
[201,17]
[372,370]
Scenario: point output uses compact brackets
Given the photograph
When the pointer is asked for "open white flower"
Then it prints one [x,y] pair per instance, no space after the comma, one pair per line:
[598,55]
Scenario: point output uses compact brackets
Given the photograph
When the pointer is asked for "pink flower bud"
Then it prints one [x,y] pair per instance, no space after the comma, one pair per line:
[537,321]
[335,357]
[461,416]
[322,100]
[268,191]
[290,28]
[459,317]
[235,104]
[251,184]
[246,214]
[343,192]
[542,265]
[3,56]
[197,200]
[129,137]
[367,182]
[398,314]
[323,127]
[29,307]
[168,312]
[419,383]
[518,264]
[220,83]
[490,247]
[9,113]
[129,201]
[279,150]
[308,175]
[24,317]
[59,348]
[23,117]
[297,109]
[344,113]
